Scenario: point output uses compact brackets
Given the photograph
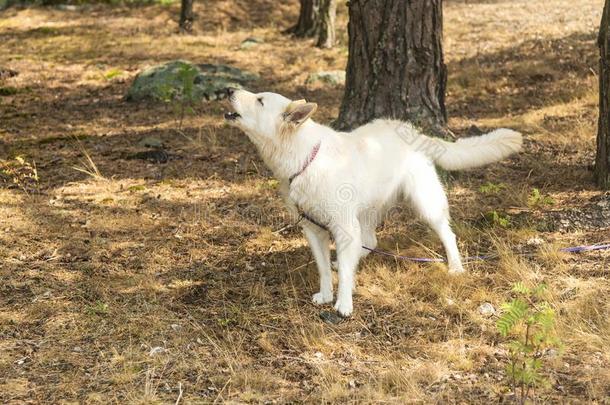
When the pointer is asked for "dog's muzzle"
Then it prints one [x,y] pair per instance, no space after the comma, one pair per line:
[231,116]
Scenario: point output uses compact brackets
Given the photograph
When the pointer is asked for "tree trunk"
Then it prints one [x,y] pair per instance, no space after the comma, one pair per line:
[308,23]
[602,160]
[326,29]
[395,67]
[186,16]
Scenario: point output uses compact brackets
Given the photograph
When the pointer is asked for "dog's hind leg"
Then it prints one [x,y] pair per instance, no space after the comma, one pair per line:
[319,242]
[428,196]
[349,244]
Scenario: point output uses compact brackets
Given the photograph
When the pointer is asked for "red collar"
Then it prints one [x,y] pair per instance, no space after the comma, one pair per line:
[312,156]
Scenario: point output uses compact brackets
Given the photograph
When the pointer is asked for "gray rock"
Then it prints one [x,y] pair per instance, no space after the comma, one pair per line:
[67,7]
[154,155]
[486,309]
[534,241]
[156,350]
[6,73]
[167,82]
[333,78]
[551,353]
[250,42]
[331,317]
[151,142]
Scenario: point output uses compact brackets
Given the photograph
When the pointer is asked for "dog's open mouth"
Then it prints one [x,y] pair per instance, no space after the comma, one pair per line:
[231,116]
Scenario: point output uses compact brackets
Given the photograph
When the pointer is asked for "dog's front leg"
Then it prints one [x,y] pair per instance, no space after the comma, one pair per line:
[348,241]
[319,242]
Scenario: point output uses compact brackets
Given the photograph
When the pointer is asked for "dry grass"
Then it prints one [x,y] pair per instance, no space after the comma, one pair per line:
[143,283]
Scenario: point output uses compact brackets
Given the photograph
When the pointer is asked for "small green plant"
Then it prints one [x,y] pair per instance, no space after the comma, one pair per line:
[8,91]
[186,98]
[137,187]
[99,308]
[492,188]
[47,30]
[225,321]
[496,218]
[270,184]
[183,98]
[112,73]
[530,321]
[537,200]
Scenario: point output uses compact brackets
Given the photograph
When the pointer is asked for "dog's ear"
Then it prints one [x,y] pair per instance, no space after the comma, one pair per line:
[299,111]
[295,103]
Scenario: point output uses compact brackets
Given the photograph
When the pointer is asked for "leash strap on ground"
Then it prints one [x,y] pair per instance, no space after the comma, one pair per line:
[573,249]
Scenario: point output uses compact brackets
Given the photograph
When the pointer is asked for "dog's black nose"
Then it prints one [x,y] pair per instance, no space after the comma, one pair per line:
[230,91]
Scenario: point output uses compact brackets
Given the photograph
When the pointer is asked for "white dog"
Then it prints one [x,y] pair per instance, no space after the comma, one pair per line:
[343,183]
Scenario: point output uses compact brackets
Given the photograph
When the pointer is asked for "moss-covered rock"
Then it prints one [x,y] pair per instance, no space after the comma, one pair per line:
[183,79]
[333,78]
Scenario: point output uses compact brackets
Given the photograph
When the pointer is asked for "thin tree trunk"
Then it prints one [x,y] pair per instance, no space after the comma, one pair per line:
[395,65]
[602,160]
[186,16]
[307,25]
[326,28]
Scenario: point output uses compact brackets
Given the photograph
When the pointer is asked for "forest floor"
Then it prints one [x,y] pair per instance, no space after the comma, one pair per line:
[155,282]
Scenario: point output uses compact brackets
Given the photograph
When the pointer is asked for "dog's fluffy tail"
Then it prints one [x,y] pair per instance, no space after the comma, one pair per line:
[475,151]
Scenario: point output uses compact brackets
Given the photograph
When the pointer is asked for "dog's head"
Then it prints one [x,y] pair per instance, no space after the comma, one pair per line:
[267,115]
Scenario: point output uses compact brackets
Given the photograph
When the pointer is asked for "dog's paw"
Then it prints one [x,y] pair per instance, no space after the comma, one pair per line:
[456,268]
[344,308]
[322,297]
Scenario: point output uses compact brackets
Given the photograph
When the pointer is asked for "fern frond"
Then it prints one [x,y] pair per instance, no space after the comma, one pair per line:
[545,319]
[514,312]
[539,290]
[516,347]
[520,288]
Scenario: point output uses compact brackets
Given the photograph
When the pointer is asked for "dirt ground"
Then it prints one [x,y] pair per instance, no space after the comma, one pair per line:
[123,280]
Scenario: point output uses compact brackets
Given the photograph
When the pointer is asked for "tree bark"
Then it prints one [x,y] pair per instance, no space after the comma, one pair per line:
[186,16]
[395,67]
[307,25]
[326,28]
[602,159]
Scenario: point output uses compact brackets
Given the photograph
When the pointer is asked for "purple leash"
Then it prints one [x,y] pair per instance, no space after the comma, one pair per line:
[573,249]
[578,249]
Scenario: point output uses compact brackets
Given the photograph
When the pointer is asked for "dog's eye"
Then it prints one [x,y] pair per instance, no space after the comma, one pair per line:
[260,100]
